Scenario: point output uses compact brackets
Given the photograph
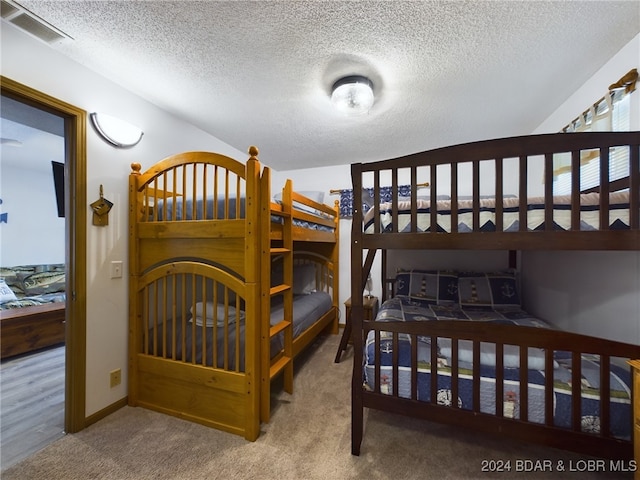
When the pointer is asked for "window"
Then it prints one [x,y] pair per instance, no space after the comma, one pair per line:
[610,113]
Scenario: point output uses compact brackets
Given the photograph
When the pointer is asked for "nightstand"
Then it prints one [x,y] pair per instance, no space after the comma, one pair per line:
[370,306]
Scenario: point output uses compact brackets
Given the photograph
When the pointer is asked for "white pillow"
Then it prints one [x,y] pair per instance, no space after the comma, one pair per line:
[304,279]
[209,315]
[511,355]
[6,294]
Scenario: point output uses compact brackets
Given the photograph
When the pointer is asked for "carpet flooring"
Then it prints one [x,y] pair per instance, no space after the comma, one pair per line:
[309,437]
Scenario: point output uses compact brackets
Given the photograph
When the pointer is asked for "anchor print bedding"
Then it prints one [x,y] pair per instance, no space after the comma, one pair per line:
[432,300]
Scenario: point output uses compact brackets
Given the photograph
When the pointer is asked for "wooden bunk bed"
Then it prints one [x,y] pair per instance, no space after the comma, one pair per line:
[209,326]
[420,368]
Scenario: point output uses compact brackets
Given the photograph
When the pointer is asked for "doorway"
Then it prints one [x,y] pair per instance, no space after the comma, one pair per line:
[74,131]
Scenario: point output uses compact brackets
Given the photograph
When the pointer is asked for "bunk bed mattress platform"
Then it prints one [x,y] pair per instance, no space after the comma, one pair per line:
[307,309]
[407,309]
[589,214]
[211,209]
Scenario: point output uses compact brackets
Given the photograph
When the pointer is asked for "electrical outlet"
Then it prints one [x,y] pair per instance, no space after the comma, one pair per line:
[116,269]
[115,377]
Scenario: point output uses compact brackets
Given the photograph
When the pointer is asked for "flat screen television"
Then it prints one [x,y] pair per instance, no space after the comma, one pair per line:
[58,183]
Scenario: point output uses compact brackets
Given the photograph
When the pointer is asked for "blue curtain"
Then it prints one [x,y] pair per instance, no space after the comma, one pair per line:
[346,198]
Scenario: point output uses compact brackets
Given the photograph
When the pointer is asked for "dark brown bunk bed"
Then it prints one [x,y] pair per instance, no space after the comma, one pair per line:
[414,375]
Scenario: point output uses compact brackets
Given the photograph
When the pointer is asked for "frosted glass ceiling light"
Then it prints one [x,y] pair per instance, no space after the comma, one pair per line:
[115,131]
[353,94]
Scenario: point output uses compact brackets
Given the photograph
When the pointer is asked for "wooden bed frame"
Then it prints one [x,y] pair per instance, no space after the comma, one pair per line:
[31,328]
[233,252]
[525,151]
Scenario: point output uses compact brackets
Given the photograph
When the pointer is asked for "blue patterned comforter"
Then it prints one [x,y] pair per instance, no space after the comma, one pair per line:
[403,308]
[589,214]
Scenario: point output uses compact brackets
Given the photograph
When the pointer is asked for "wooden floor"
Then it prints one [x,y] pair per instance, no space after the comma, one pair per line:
[32,403]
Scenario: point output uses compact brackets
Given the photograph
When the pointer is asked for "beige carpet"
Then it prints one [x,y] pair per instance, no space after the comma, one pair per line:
[309,437]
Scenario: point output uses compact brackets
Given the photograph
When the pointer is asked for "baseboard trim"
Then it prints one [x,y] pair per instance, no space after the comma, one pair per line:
[105,412]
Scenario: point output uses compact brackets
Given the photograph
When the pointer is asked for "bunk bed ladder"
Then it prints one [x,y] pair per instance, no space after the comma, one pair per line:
[276,250]
[283,362]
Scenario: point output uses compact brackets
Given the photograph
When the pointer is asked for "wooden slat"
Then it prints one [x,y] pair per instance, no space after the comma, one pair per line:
[476,194]
[414,199]
[454,197]
[278,289]
[433,202]
[549,396]
[605,395]
[554,240]
[604,189]
[278,327]
[499,380]
[634,186]
[434,370]
[524,384]
[395,355]
[476,377]
[454,372]
[414,367]
[278,366]
[377,360]
[548,191]
[576,391]
[499,194]
[522,193]
[394,197]
[376,205]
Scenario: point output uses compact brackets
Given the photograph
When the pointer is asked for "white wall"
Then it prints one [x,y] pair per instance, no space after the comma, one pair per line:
[32,215]
[35,64]
[596,293]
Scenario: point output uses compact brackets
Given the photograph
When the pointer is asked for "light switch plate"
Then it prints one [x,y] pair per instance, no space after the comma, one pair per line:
[116,269]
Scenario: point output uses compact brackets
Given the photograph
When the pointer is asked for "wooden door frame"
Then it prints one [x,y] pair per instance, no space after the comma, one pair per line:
[75,121]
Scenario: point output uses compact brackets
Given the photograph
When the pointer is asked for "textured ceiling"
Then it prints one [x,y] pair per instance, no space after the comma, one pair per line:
[259,73]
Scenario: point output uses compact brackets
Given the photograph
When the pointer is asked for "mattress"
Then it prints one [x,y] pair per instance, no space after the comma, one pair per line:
[222,209]
[589,214]
[307,309]
[404,308]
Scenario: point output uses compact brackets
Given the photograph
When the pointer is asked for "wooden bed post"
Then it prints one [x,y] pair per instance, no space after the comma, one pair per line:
[134,334]
[357,311]
[335,260]
[252,278]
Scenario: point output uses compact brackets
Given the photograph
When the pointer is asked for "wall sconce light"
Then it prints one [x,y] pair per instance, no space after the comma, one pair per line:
[115,131]
[352,94]
[10,142]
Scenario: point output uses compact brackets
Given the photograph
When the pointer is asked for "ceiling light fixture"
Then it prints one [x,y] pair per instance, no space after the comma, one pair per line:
[115,131]
[352,94]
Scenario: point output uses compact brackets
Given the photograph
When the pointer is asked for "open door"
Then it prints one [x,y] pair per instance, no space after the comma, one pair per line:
[75,202]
